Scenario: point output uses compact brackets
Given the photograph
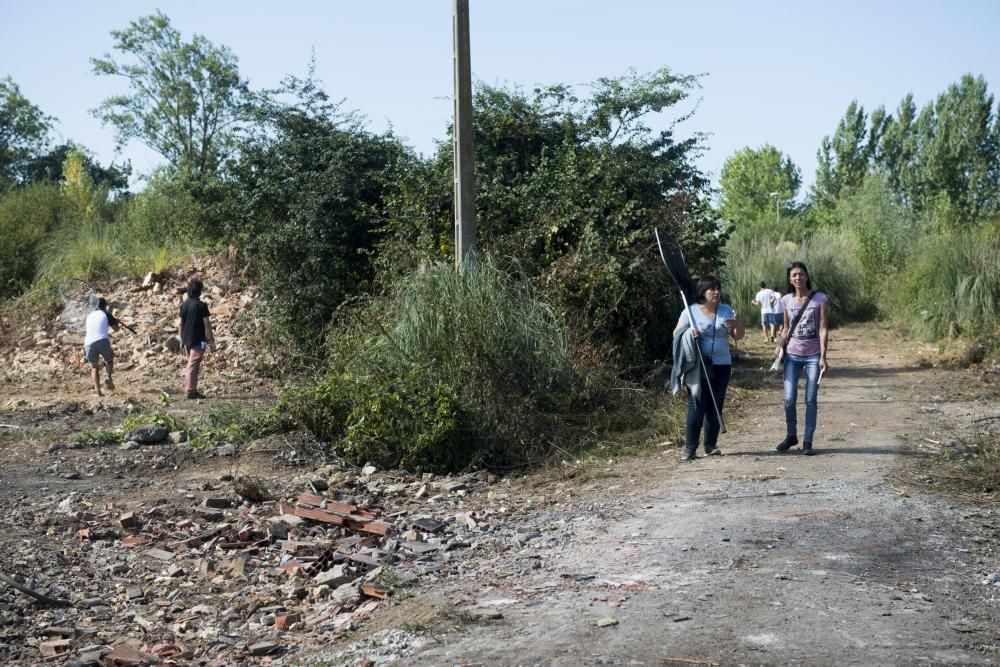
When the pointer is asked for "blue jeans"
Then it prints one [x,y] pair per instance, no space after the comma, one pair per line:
[701,411]
[793,371]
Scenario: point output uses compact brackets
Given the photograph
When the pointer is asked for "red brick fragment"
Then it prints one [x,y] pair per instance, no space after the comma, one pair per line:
[286,621]
[374,592]
[130,541]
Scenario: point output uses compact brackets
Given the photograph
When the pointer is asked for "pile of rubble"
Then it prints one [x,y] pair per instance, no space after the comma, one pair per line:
[216,579]
[50,346]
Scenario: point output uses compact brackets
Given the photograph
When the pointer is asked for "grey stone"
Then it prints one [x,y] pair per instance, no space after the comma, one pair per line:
[149,434]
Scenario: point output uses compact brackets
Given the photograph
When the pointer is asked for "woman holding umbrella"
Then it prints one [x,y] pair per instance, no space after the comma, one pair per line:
[714,323]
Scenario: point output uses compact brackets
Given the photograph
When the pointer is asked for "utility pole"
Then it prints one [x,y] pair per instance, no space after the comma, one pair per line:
[465,191]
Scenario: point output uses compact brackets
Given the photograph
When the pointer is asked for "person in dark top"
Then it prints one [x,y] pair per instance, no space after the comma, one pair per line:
[196,334]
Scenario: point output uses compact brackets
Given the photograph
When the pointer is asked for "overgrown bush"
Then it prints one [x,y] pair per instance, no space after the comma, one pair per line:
[951,283]
[466,369]
[27,215]
[884,232]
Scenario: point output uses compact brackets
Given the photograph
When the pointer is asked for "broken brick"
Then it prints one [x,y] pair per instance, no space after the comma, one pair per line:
[55,647]
[130,541]
[286,621]
[374,592]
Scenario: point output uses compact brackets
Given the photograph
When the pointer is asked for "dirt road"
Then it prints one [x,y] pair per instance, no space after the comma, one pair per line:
[756,558]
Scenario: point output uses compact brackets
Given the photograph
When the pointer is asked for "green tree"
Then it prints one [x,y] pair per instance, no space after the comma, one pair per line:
[186,100]
[843,160]
[49,167]
[24,132]
[897,151]
[754,183]
[306,203]
[572,188]
[958,139]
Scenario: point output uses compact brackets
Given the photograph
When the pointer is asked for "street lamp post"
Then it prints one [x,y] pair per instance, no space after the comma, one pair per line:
[777,212]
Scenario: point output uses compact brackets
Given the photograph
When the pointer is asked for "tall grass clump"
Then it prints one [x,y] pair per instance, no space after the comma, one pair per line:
[952,282]
[86,251]
[829,254]
[456,369]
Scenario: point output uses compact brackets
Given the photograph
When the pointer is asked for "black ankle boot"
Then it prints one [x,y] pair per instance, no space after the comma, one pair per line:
[789,442]
[807,448]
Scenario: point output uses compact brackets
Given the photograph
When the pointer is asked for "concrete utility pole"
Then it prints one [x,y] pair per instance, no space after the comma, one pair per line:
[465,190]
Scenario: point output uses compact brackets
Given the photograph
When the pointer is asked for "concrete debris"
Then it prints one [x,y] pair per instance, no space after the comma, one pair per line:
[206,577]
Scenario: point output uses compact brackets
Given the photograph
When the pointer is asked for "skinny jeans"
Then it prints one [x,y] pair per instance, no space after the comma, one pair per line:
[701,412]
[794,365]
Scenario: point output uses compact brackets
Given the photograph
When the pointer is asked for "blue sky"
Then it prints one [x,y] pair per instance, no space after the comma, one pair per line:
[778,72]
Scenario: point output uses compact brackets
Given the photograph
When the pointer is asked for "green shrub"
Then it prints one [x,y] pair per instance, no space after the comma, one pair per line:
[410,420]
[466,369]
[27,215]
[99,438]
[951,281]
[235,425]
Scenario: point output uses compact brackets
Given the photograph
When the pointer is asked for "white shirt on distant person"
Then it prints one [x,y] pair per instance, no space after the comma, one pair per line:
[764,297]
[97,327]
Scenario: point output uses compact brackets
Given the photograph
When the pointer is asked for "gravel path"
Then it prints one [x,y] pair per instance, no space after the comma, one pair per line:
[755,558]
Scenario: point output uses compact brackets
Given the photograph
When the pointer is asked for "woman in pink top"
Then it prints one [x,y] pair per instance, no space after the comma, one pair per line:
[806,349]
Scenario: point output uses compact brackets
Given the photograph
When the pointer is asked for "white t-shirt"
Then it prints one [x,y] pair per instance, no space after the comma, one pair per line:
[764,298]
[97,327]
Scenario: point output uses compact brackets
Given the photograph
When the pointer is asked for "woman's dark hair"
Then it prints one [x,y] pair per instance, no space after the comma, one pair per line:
[705,283]
[788,277]
[102,303]
[194,288]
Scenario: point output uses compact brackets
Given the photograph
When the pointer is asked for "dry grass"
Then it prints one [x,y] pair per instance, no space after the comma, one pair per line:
[966,466]
[252,488]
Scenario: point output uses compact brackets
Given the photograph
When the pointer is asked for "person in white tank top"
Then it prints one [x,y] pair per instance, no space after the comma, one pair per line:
[97,345]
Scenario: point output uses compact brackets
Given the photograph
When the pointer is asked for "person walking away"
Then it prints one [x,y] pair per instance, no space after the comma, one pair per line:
[195,329]
[777,316]
[97,344]
[714,323]
[768,301]
[803,343]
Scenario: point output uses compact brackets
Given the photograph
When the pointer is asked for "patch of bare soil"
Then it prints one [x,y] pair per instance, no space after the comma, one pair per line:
[753,558]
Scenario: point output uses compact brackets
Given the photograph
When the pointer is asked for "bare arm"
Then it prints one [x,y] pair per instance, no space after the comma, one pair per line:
[683,322]
[824,316]
[209,335]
